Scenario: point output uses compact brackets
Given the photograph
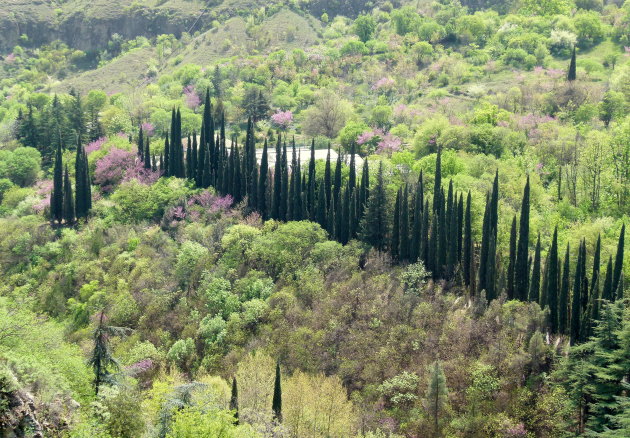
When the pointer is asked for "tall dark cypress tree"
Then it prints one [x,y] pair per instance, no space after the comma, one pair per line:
[576,300]
[328,178]
[485,245]
[262,183]
[608,293]
[552,283]
[354,209]
[491,279]
[276,405]
[277,182]
[147,154]
[374,225]
[68,199]
[321,206]
[364,190]
[284,202]
[437,185]
[56,199]
[460,226]
[619,260]
[534,284]
[394,246]
[234,400]
[452,236]
[310,198]
[521,272]
[416,229]
[344,223]
[189,165]
[337,180]
[572,73]
[467,256]
[404,226]
[563,300]
[352,176]
[442,245]
[511,261]
[80,182]
[201,155]
[167,153]
[424,240]
[141,144]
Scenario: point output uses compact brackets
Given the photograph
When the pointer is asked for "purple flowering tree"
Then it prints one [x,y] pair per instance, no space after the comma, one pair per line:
[282,119]
[191,97]
[112,168]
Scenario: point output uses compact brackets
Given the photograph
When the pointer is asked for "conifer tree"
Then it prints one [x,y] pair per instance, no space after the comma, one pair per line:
[491,279]
[331,218]
[344,231]
[147,154]
[328,179]
[363,190]
[68,199]
[416,229]
[262,183]
[404,226]
[141,144]
[352,175]
[321,206]
[311,184]
[234,400]
[442,245]
[284,201]
[436,397]
[619,260]
[167,153]
[576,300]
[80,183]
[485,244]
[374,224]
[467,256]
[511,261]
[551,283]
[276,405]
[193,159]
[56,199]
[277,182]
[563,300]
[437,185]
[534,284]
[337,179]
[394,246]
[189,168]
[596,263]
[608,292]
[460,226]
[572,73]
[521,272]
[201,157]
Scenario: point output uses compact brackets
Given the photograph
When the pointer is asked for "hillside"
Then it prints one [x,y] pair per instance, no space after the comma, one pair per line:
[314,219]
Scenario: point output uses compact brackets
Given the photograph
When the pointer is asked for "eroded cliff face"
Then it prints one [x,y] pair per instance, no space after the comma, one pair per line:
[86,30]
[17,415]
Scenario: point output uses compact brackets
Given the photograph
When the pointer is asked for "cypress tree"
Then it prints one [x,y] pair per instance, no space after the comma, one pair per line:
[337,179]
[311,184]
[321,206]
[147,154]
[193,159]
[364,189]
[234,400]
[354,209]
[374,226]
[572,73]
[394,246]
[140,144]
[522,255]
[262,183]
[563,301]
[442,239]
[331,219]
[404,226]
[491,280]
[619,260]
[293,194]
[80,183]
[68,199]
[596,263]
[424,240]
[189,167]
[277,183]
[416,230]
[352,177]
[511,261]
[432,251]
[56,200]
[552,283]
[167,153]
[437,185]
[467,256]
[608,292]
[239,180]
[328,179]
[460,226]
[344,232]
[276,405]
[490,223]
[534,285]
[285,185]
[201,158]
[576,311]
[452,237]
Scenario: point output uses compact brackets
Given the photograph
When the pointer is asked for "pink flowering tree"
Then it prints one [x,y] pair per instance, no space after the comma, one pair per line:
[369,140]
[111,169]
[191,97]
[389,144]
[282,120]
[148,129]
[95,145]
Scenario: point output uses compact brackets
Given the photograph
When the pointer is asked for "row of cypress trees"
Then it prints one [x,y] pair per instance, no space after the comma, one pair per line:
[64,206]
[440,234]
